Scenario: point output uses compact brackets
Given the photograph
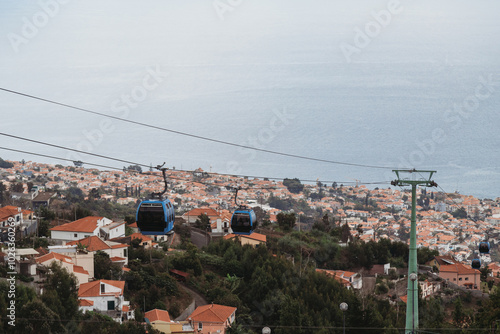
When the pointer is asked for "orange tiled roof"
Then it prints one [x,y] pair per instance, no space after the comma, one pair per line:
[93,289]
[8,211]
[55,256]
[198,211]
[85,302]
[157,314]
[79,269]
[253,236]
[87,224]
[458,268]
[140,236]
[213,313]
[93,243]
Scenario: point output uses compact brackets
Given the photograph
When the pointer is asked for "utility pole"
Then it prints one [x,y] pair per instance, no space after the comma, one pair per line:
[413,178]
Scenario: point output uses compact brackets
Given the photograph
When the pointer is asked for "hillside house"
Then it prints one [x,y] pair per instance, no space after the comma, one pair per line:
[255,239]
[212,318]
[192,215]
[105,297]
[117,252]
[160,320]
[348,279]
[461,275]
[86,227]
[82,275]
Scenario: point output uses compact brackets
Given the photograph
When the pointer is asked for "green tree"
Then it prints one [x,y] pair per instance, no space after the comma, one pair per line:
[133,168]
[431,313]
[36,318]
[60,293]
[5,164]
[202,222]
[74,195]
[94,194]
[286,221]
[293,185]
[104,268]
[459,213]
[3,189]
[17,187]
[485,272]
[346,233]
[459,314]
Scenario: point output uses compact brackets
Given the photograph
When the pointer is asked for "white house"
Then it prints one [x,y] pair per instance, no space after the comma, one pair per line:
[79,257]
[106,297]
[12,212]
[346,278]
[117,252]
[66,262]
[221,226]
[86,227]
[428,289]
[25,261]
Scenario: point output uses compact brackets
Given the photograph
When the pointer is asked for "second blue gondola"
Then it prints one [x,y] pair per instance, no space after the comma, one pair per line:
[476,263]
[484,247]
[243,221]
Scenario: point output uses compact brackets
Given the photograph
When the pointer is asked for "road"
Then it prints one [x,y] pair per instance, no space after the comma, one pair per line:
[199,238]
[198,300]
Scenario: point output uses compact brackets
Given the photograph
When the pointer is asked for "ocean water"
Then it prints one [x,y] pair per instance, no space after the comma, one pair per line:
[421,90]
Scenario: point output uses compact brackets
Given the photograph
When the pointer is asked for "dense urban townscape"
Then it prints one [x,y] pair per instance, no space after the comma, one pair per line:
[325,243]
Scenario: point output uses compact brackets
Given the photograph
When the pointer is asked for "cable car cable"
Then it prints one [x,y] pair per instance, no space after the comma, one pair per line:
[193,135]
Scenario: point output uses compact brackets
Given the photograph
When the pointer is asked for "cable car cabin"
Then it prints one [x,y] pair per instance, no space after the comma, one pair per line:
[243,221]
[155,217]
[484,247]
[476,263]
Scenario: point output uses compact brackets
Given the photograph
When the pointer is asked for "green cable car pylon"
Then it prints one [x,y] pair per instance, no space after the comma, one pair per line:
[413,178]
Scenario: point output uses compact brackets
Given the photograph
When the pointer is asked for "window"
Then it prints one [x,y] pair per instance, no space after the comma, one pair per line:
[460,279]
[103,288]
[467,278]
[75,235]
[125,252]
[454,279]
[200,326]
[111,305]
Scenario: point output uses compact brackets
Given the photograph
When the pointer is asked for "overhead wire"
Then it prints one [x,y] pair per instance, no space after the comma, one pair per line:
[192,135]
[148,166]
[274,326]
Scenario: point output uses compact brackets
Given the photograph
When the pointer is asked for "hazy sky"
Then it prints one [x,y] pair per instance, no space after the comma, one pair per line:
[388,83]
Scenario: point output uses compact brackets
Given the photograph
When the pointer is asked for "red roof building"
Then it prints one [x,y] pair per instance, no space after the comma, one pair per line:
[106,297]
[212,318]
[461,275]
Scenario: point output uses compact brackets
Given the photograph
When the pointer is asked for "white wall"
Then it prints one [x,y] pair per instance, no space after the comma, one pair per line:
[70,235]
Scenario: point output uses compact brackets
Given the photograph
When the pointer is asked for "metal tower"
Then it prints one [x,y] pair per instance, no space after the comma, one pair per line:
[413,178]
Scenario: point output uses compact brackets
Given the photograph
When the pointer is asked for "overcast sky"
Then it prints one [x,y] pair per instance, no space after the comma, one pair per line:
[387,70]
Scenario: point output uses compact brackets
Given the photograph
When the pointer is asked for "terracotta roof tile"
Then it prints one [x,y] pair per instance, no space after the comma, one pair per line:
[85,302]
[93,289]
[79,269]
[54,256]
[93,243]
[213,313]
[87,224]
[157,314]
